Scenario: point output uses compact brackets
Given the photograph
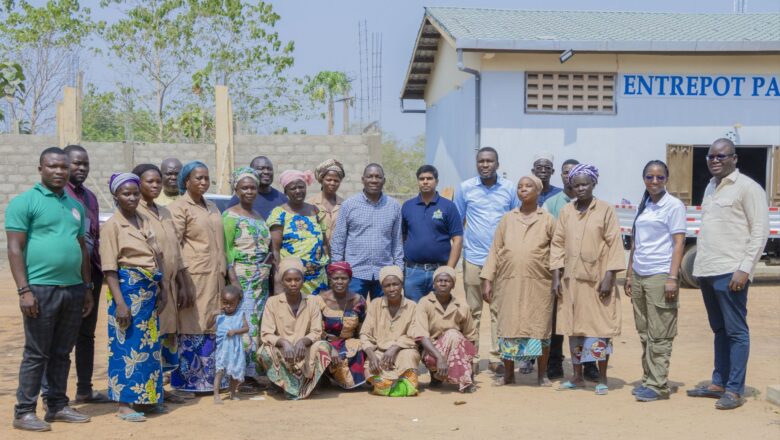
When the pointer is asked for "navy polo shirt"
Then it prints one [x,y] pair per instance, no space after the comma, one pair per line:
[428,229]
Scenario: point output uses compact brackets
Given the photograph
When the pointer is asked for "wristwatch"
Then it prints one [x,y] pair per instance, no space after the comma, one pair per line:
[89,286]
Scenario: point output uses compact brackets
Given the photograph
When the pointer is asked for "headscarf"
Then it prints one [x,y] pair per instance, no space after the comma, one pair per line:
[119,179]
[537,182]
[445,270]
[184,174]
[240,173]
[342,266]
[584,169]
[290,176]
[327,166]
[546,155]
[140,169]
[390,270]
[291,263]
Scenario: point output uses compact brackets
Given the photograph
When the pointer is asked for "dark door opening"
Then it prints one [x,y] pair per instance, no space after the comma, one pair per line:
[751,162]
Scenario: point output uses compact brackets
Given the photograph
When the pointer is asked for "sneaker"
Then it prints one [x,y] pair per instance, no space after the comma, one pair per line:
[648,395]
[637,389]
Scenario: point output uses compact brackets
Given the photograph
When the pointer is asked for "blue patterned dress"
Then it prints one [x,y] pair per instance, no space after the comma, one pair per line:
[230,356]
[304,237]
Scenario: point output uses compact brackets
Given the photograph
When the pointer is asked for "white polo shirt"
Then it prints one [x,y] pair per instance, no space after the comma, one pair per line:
[653,244]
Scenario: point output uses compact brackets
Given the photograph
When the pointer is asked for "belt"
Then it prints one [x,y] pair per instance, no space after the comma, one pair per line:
[423,266]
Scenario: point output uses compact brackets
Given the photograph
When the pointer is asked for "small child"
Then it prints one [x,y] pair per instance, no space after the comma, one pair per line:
[230,356]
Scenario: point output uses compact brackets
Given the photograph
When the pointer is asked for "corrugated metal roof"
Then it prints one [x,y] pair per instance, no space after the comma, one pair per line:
[586,31]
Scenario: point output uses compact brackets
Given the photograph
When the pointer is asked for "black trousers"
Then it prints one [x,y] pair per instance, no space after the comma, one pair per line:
[48,341]
[556,341]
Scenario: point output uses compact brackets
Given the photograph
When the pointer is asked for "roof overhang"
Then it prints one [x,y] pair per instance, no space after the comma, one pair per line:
[420,66]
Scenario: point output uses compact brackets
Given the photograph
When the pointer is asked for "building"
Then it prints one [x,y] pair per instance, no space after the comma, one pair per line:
[615,89]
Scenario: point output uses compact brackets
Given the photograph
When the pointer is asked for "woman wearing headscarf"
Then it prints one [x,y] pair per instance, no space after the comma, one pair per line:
[588,247]
[131,264]
[343,312]
[387,338]
[446,331]
[516,278]
[298,230]
[329,174]
[174,272]
[247,246]
[201,236]
[293,353]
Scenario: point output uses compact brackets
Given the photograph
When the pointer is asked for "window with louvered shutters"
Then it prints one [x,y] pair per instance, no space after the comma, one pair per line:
[570,92]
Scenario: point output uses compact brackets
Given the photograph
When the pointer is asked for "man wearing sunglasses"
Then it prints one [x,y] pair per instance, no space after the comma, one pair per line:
[734,230]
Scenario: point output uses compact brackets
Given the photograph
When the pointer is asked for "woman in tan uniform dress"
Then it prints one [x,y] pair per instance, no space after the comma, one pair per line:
[516,278]
[199,229]
[329,174]
[588,247]
[388,341]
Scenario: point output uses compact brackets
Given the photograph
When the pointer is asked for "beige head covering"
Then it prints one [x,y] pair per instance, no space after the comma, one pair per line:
[445,269]
[327,166]
[290,263]
[390,270]
[537,182]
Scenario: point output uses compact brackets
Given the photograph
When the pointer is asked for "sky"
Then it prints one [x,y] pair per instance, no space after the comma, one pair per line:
[326,38]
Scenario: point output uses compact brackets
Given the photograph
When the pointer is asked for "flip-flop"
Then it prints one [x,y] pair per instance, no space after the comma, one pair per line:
[729,401]
[132,417]
[602,390]
[568,386]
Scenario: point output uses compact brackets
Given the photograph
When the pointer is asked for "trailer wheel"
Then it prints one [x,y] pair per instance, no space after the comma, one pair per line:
[686,268]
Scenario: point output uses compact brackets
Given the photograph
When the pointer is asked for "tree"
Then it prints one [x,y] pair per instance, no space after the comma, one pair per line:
[400,163]
[112,116]
[45,41]
[324,87]
[11,82]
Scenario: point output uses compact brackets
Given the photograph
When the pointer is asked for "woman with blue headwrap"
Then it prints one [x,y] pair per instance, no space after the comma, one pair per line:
[588,246]
[131,262]
[199,230]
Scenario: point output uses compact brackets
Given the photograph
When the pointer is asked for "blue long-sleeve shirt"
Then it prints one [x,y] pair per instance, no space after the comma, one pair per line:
[368,235]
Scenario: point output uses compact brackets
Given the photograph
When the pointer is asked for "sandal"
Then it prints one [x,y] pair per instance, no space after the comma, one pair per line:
[132,417]
[729,401]
[704,392]
[568,385]
[602,390]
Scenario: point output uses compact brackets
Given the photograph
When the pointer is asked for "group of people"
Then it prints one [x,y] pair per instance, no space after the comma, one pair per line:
[297,288]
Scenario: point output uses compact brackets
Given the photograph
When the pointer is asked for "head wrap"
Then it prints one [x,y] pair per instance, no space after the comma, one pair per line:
[240,173]
[139,170]
[546,155]
[184,174]
[445,270]
[327,166]
[290,263]
[584,169]
[537,182]
[391,270]
[119,179]
[290,176]
[342,266]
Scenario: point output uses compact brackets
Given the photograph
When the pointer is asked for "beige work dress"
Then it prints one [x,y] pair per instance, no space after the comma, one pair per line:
[432,320]
[124,245]
[279,322]
[586,245]
[329,216]
[161,224]
[518,266]
[202,240]
[381,331]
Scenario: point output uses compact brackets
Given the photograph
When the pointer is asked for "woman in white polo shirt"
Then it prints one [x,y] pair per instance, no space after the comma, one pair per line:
[652,278]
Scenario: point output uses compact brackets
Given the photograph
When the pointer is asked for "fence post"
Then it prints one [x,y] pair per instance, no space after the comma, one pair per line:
[223,139]
[69,117]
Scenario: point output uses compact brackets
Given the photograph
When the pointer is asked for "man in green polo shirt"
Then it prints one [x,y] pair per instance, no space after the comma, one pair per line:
[49,263]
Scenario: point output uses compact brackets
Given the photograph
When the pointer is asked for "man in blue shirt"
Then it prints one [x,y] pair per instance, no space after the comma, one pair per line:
[368,234]
[481,202]
[433,234]
[268,197]
[543,169]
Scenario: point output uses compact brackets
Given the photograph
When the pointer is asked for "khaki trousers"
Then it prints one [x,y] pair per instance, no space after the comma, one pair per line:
[473,286]
[656,322]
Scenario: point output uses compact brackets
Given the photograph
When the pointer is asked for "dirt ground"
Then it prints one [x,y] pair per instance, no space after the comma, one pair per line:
[521,410]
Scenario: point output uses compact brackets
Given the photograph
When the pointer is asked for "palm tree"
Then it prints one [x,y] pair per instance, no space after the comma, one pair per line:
[324,87]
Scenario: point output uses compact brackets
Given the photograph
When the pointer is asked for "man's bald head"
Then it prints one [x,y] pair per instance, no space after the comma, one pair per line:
[726,142]
[170,169]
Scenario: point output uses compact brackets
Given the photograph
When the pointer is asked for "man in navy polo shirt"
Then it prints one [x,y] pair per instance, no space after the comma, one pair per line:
[432,232]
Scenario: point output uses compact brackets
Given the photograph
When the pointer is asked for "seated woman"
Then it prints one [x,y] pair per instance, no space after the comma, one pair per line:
[516,279]
[292,353]
[131,260]
[446,331]
[387,338]
[342,314]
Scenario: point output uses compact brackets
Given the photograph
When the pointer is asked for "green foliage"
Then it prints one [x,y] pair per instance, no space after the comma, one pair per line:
[11,81]
[111,116]
[193,124]
[58,23]
[325,87]
[400,163]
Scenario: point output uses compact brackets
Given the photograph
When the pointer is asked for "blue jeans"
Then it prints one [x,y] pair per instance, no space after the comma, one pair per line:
[418,282]
[364,287]
[727,313]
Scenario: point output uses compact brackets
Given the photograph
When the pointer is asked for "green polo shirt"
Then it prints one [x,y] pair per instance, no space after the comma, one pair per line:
[554,204]
[53,224]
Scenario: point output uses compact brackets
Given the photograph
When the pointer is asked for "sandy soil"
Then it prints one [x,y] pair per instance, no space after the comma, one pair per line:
[521,410]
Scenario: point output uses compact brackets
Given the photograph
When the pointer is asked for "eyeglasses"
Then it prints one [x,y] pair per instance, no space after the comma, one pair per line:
[719,157]
[650,178]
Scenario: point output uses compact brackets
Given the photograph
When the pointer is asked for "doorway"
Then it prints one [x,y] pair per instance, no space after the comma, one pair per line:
[752,161]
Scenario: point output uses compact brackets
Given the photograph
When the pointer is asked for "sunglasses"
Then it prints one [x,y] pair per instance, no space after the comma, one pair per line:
[650,178]
[719,157]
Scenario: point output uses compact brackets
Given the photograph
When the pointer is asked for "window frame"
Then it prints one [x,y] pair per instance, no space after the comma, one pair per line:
[529,111]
